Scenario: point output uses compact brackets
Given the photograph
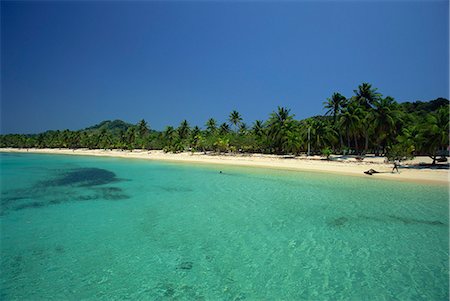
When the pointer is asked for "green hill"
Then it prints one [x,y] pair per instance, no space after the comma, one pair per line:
[424,106]
[114,126]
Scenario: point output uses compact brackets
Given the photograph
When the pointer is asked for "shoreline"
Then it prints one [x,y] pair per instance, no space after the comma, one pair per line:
[409,170]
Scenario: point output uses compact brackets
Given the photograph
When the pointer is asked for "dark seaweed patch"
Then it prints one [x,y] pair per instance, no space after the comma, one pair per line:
[55,191]
[174,189]
[169,290]
[87,197]
[166,290]
[6,200]
[59,249]
[338,222]
[30,205]
[55,202]
[404,220]
[104,193]
[113,193]
[84,177]
[407,221]
[186,265]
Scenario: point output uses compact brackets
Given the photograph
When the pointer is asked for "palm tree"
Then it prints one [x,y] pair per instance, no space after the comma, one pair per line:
[103,139]
[142,128]
[183,129]
[75,140]
[131,137]
[366,95]
[434,133]
[279,123]
[386,116]
[334,106]
[243,128]
[224,129]
[169,134]
[211,125]
[235,118]
[293,141]
[350,121]
[258,128]
[323,134]
[195,131]
[195,138]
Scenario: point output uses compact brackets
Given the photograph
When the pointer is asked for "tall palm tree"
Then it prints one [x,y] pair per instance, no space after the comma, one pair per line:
[197,141]
[211,125]
[224,129]
[169,135]
[279,124]
[366,95]
[75,139]
[183,129]
[131,137]
[142,128]
[434,133]
[386,116]
[366,126]
[258,128]
[235,118]
[350,121]
[103,139]
[243,128]
[334,106]
[322,133]
[195,131]
[293,141]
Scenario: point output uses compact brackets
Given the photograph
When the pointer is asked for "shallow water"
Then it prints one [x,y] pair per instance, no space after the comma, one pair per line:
[105,228]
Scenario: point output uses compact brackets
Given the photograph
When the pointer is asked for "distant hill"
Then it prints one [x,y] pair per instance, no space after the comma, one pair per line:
[114,126]
[424,106]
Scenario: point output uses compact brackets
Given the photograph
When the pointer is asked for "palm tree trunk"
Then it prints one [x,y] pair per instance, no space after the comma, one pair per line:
[366,146]
[356,143]
[348,140]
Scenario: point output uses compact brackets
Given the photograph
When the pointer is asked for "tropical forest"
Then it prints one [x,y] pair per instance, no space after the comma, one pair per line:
[365,122]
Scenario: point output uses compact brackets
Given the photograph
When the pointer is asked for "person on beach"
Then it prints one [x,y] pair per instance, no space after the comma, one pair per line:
[396,164]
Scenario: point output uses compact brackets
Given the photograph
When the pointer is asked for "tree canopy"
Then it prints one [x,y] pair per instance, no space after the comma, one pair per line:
[361,123]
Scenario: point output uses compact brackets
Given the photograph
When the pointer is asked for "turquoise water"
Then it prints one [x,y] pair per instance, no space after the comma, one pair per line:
[113,229]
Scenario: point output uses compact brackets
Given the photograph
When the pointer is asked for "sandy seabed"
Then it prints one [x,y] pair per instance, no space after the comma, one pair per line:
[409,170]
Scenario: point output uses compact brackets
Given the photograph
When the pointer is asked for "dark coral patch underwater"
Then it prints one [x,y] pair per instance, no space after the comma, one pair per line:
[81,184]
[83,177]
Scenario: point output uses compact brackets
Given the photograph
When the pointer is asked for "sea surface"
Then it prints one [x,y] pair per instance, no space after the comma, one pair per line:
[90,228]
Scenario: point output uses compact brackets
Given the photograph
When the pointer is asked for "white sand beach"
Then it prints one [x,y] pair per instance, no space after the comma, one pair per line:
[409,170]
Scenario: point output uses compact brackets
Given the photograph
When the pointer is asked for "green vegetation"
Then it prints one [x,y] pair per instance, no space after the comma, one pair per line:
[364,123]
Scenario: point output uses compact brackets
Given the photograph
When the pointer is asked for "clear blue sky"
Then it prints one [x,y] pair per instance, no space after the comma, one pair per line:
[74,64]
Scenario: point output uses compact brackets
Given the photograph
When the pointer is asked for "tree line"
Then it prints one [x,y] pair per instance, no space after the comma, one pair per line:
[364,123]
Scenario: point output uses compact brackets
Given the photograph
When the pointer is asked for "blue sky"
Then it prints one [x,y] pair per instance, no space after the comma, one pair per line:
[73,64]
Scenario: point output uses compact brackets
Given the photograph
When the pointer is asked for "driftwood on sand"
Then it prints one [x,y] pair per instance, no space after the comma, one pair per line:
[371,172]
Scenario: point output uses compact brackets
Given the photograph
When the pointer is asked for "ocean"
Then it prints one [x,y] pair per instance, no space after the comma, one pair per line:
[77,227]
